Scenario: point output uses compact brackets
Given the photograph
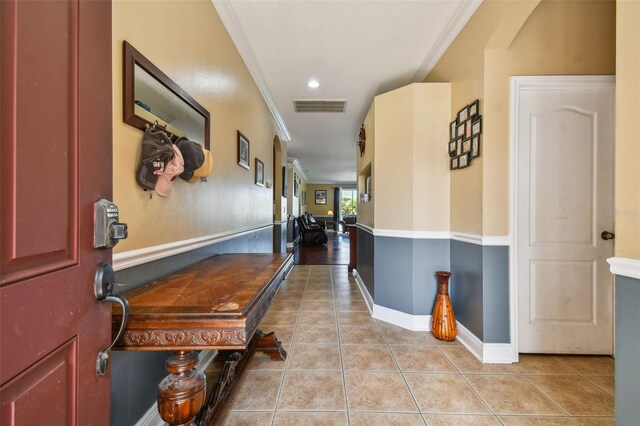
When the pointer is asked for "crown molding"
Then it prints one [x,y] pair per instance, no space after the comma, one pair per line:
[295,163]
[458,20]
[234,28]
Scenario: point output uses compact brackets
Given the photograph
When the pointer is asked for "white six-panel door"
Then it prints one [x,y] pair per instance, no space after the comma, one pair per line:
[564,173]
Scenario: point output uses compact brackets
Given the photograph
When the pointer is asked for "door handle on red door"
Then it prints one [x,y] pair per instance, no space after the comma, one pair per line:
[103,286]
[606,235]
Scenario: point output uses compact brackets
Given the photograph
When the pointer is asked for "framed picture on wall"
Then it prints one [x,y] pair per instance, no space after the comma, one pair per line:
[295,185]
[303,197]
[452,148]
[285,184]
[259,173]
[454,163]
[321,196]
[474,108]
[464,161]
[452,130]
[243,151]
[476,126]
[462,114]
[475,146]
[466,146]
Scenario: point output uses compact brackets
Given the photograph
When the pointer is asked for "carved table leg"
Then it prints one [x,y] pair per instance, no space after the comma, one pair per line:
[234,364]
[270,345]
[181,393]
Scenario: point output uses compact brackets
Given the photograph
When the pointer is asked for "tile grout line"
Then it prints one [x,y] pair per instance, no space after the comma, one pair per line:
[545,395]
[384,337]
[468,384]
[286,365]
[344,380]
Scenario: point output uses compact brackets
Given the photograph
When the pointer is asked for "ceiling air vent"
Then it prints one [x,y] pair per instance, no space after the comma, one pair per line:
[320,105]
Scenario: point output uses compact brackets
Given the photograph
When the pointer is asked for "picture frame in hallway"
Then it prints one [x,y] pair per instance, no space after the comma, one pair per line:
[259,173]
[473,109]
[462,114]
[466,146]
[453,164]
[452,148]
[452,130]
[295,185]
[285,183]
[464,161]
[321,196]
[475,146]
[243,151]
[476,126]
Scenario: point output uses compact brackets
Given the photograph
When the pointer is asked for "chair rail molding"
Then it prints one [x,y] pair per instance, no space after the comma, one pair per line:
[625,267]
[488,240]
[137,257]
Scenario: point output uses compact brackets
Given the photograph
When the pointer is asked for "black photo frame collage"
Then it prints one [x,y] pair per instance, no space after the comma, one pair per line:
[464,136]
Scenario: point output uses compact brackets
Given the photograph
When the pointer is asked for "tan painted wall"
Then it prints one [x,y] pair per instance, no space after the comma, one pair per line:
[394,168]
[627,193]
[431,176]
[411,167]
[319,209]
[294,203]
[462,65]
[366,210]
[280,208]
[556,37]
[201,58]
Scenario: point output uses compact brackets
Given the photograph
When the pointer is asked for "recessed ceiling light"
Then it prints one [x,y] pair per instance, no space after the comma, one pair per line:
[313,84]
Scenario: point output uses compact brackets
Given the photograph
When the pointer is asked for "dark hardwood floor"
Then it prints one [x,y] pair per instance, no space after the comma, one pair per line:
[335,252]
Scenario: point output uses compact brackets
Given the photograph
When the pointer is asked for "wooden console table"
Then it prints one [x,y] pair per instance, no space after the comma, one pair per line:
[215,304]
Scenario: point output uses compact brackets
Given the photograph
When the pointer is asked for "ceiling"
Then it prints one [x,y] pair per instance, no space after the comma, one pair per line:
[354,49]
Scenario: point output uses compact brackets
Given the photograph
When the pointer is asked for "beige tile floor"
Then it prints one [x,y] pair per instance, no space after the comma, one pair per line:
[346,368]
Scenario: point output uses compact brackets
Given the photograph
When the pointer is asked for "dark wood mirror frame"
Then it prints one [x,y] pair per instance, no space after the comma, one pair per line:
[133,57]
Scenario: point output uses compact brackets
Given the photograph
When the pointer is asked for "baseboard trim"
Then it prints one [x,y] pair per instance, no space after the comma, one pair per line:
[392,316]
[363,289]
[137,257]
[293,244]
[487,353]
[470,341]
[496,353]
[151,417]
[402,319]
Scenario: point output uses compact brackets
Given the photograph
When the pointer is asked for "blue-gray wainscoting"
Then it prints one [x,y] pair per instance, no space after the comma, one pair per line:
[399,273]
[627,351]
[405,272]
[480,289]
[135,375]
[280,237]
[465,285]
[364,259]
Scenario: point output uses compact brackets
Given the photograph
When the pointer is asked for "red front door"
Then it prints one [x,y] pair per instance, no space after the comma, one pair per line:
[56,162]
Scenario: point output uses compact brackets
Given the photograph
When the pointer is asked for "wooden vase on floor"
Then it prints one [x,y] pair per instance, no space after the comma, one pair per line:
[443,320]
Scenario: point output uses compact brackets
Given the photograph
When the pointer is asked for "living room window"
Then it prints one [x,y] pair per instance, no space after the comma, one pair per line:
[349,205]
